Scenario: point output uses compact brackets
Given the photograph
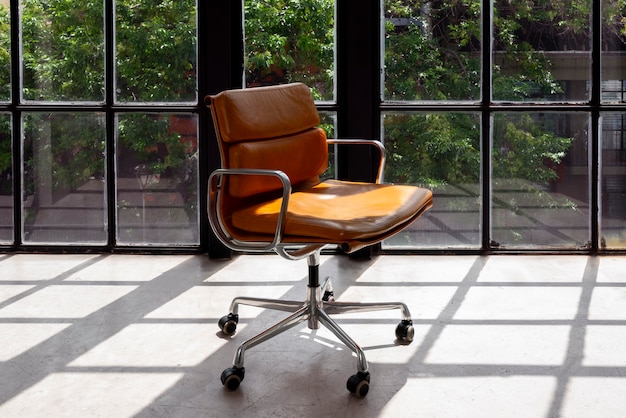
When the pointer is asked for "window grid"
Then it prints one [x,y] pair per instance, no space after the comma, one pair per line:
[600,102]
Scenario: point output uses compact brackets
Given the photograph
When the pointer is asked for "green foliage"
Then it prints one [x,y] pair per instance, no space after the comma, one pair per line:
[63,60]
[5,56]
[156,50]
[523,150]
[58,141]
[432,52]
[432,149]
[415,69]
[291,40]
[63,50]
[615,19]
[137,131]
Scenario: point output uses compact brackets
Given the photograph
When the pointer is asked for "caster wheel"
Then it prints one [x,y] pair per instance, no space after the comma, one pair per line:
[232,377]
[359,384]
[228,324]
[405,331]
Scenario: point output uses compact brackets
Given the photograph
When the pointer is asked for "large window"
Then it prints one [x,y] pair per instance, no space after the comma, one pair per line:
[517,174]
[103,158]
[513,113]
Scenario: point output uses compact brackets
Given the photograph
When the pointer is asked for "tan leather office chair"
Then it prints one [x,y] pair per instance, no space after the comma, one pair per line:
[268,196]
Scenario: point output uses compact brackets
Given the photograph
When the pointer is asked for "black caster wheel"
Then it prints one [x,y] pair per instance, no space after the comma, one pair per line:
[359,384]
[405,331]
[228,324]
[232,377]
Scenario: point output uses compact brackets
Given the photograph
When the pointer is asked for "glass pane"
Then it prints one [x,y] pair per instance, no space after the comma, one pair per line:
[157,179]
[63,50]
[540,180]
[440,151]
[542,50]
[614,90]
[328,122]
[64,190]
[613,45]
[613,181]
[6,180]
[289,41]
[5,52]
[432,50]
[155,51]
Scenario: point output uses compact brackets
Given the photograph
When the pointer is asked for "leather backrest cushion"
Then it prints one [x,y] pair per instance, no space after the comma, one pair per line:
[301,156]
[264,112]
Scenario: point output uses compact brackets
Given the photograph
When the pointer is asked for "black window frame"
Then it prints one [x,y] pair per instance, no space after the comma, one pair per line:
[358,107]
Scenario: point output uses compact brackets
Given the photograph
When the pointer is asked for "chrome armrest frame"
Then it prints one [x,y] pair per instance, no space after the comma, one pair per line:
[376,144]
[215,219]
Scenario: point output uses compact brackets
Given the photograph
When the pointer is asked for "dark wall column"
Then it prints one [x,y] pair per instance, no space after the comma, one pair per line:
[358,95]
[220,61]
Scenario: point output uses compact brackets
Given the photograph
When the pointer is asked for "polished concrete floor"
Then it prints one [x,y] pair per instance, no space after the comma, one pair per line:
[136,336]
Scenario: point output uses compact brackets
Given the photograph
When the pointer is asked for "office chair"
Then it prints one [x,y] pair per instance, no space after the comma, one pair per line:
[268,196]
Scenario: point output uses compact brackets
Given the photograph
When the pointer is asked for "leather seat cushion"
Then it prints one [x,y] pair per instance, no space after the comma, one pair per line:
[338,211]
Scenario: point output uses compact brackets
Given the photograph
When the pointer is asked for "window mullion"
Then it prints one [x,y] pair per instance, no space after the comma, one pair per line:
[486,119]
[16,130]
[109,86]
[228,52]
[596,97]
[358,72]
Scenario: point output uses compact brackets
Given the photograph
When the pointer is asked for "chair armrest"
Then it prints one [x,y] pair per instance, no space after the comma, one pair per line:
[376,144]
[215,218]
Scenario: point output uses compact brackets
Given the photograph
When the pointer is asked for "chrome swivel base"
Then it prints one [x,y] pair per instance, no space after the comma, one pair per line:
[316,309]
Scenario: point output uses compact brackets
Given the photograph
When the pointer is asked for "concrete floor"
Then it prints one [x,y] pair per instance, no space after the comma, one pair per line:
[136,336]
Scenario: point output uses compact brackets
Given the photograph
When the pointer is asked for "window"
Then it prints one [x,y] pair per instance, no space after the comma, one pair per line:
[513,113]
[613,180]
[6,180]
[104,158]
[6,155]
[515,173]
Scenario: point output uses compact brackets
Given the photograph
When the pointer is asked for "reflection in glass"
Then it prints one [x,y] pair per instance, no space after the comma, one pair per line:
[157,179]
[542,50]
[614,91]
[155,51]
[540,180]
[613,181]
[5,53]
[613,43]
[64,190]
[432,51]
[6,180]
[288,41]
[440,151]
[63,50]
